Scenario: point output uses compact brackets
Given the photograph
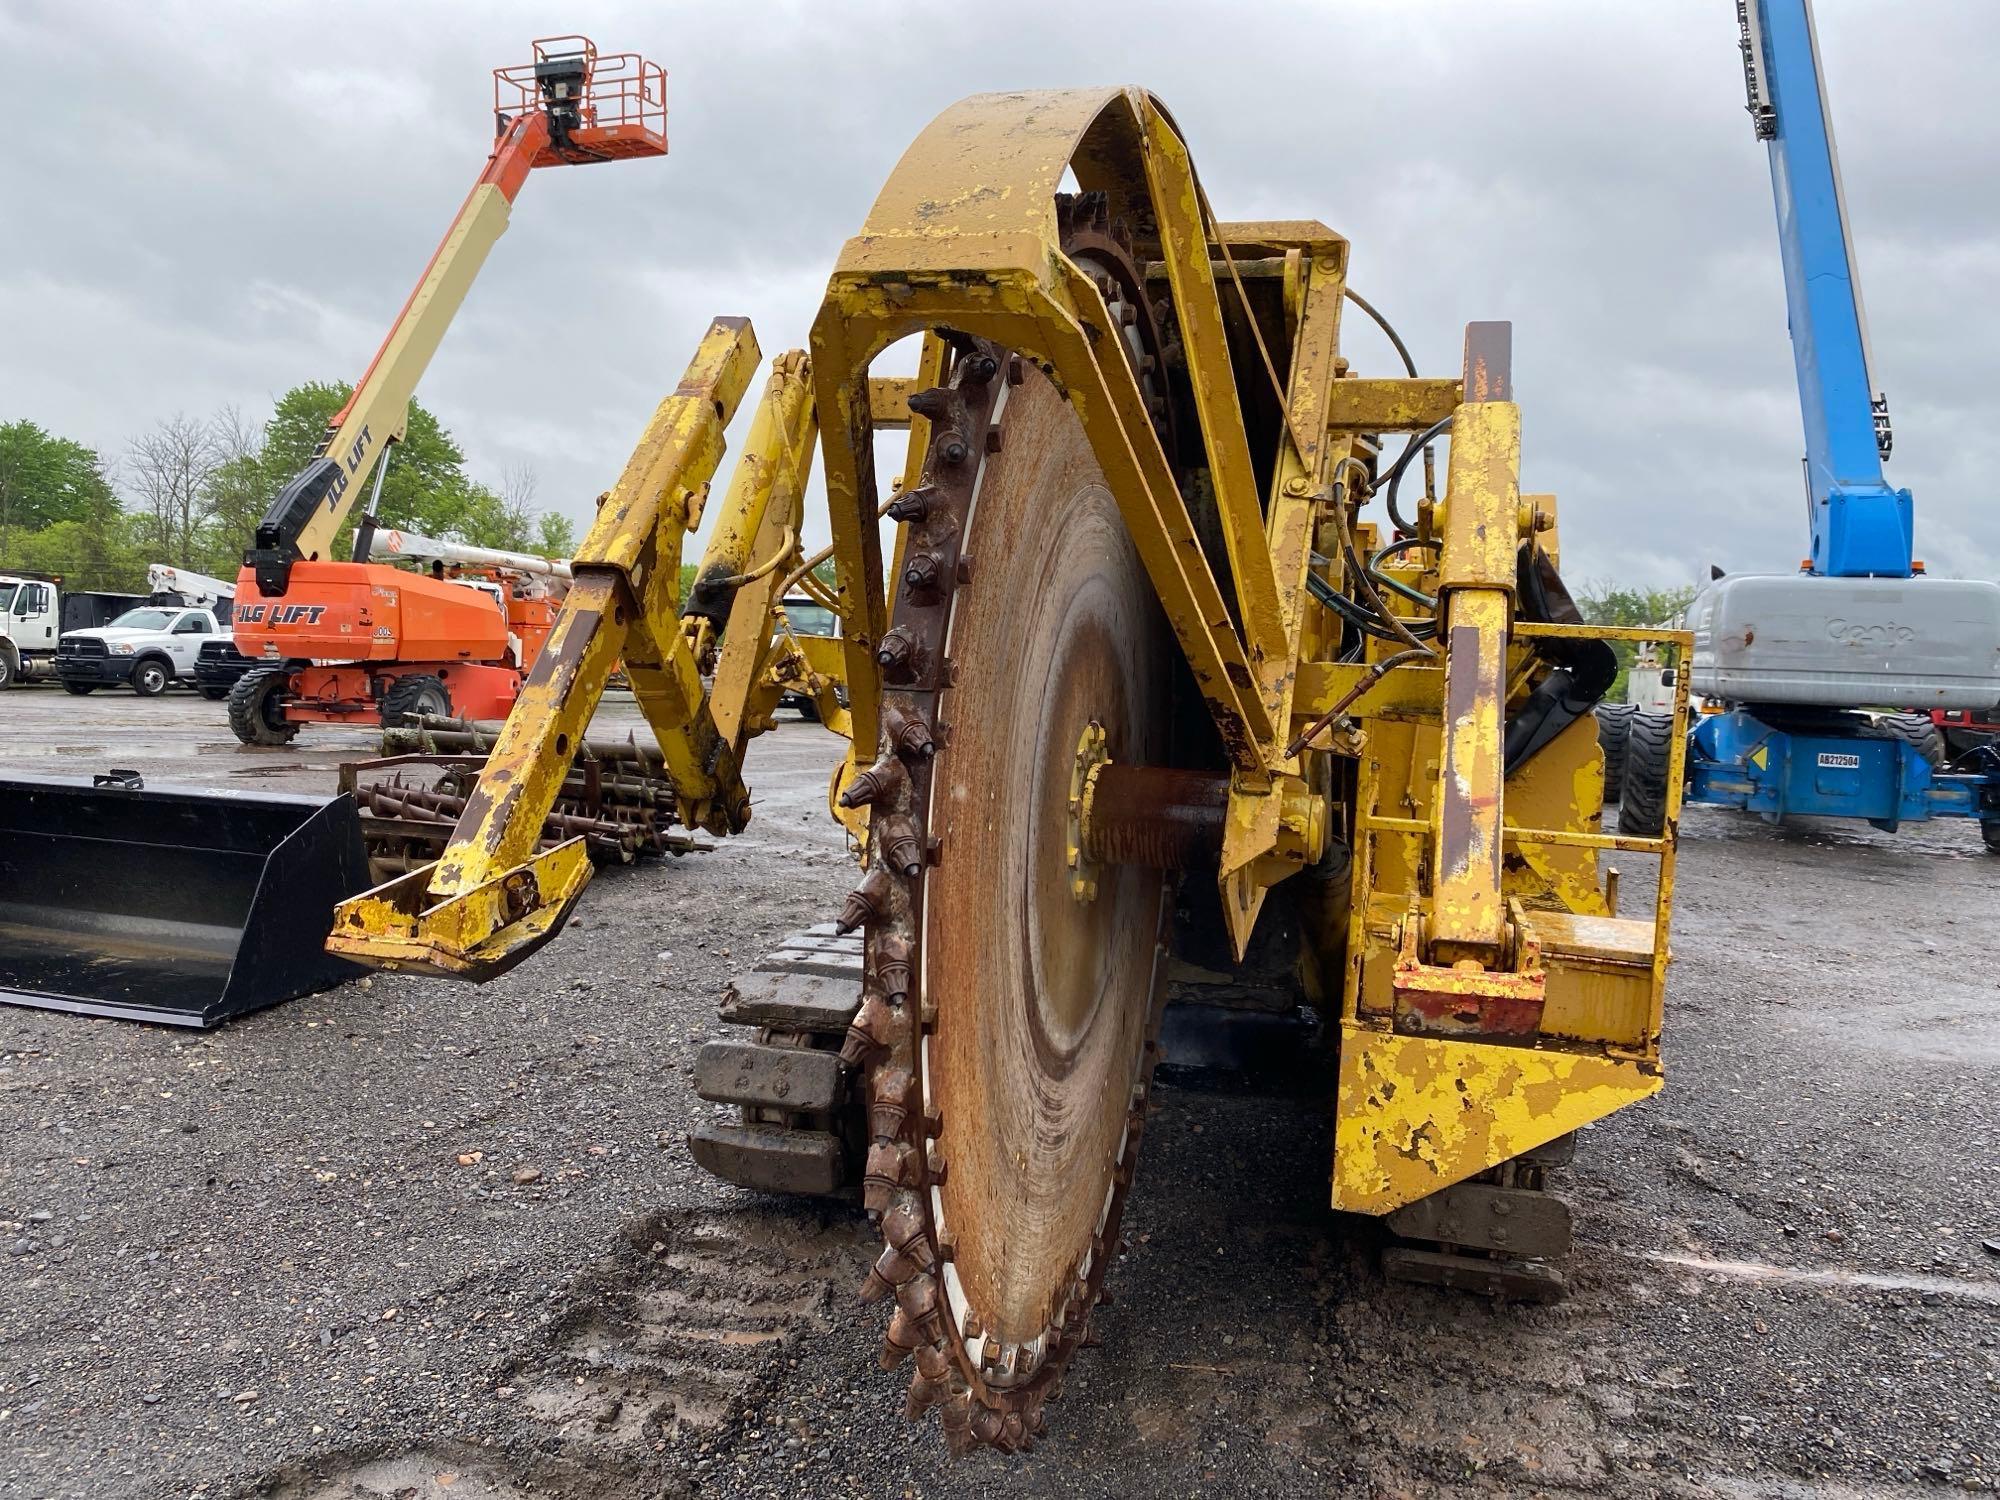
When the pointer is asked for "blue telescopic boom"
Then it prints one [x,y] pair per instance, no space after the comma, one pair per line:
[1861,527]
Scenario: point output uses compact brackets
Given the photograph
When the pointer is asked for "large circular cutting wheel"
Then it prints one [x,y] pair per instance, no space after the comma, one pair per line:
[1005,1035]
[1041,998]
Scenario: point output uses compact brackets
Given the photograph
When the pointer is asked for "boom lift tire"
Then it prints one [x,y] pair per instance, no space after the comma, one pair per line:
[150,677]
[407,697]
[1642,799]
[1991,833]
[1916,731]
[1614,729]
[256,707]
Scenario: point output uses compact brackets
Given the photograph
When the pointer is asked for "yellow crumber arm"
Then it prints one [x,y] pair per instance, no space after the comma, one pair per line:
[491,900]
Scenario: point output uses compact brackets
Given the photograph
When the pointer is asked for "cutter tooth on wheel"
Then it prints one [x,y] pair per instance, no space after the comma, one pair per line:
[1006,1028]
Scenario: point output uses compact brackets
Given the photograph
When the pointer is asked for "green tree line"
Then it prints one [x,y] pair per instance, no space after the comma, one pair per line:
[191,491]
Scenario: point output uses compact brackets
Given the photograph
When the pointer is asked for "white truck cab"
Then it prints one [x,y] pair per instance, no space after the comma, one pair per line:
[28,627]
[35,611]
[149,647]
[1650,684]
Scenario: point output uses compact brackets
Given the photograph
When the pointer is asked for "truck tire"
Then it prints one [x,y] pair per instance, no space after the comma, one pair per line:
[151,675]
[10,669]
[81,689]
[418,693]
[1991,833]
[1915,730]
[214,692]
[257,707]
[808,709]
[1614,730]
[1642,800]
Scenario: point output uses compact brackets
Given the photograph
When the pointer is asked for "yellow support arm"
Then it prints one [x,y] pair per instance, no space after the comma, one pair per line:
[492,900]
[766,505]
[1476,581]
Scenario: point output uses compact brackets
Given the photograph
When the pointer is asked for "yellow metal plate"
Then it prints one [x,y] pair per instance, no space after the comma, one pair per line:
[477,935]
[1416,1114]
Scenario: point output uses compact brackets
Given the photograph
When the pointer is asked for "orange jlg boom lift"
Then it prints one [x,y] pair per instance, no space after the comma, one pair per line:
[355,642]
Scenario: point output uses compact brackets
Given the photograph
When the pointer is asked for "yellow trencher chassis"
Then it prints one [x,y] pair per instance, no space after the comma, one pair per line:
[1489,997]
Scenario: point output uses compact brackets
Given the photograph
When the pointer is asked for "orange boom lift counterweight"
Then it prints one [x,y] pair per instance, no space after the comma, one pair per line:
[349,642]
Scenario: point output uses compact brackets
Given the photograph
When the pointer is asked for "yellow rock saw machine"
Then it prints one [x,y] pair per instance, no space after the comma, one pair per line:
[1171,671]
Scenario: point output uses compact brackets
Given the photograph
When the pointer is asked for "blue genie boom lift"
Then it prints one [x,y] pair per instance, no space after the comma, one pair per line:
[1802,662]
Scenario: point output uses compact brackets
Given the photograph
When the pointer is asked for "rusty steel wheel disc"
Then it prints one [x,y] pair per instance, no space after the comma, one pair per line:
[1041,1000]
[1004,1041]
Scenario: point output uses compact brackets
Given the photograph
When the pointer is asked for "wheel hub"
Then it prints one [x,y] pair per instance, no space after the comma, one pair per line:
[1091,757]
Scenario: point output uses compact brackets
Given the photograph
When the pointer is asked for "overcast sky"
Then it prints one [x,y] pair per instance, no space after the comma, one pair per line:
[204,204]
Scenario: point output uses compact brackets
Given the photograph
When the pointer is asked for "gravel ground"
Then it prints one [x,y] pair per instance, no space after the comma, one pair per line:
[421,1240]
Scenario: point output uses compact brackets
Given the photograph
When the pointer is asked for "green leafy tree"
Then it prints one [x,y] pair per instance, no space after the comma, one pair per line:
[108,553]
[45,479]
[240,492]
[199,487]
[426,487]
[298,424]
[490,520]
[1605,603]
[555,535]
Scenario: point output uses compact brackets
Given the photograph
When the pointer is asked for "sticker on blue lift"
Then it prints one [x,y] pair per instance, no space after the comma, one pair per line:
[1832,760]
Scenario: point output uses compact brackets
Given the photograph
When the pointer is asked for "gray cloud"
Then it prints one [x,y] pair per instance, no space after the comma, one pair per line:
[208,203]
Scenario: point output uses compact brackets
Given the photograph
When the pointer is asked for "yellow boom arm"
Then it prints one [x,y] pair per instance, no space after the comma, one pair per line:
[491,900]
[310,511]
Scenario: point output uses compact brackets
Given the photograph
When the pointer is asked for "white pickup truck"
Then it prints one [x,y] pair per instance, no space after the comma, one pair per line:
[149,647]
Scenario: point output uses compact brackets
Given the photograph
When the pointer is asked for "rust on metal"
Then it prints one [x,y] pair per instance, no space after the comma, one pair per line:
[995,1236]
[1162,818]
[988,264]
[1489,362]
[1391,405]
[1469,787]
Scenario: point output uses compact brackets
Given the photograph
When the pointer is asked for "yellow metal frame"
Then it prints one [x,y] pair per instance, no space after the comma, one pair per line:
[989,263]
[450,918]
[1468,884]
[1416,1113]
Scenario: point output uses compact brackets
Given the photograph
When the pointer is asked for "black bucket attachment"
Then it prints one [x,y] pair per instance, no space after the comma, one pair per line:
[176,905]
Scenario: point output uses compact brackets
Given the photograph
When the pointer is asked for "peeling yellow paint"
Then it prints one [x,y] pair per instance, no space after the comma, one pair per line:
[1416,1114]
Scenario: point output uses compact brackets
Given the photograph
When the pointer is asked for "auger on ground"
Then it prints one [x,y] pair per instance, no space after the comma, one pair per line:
[1161,690]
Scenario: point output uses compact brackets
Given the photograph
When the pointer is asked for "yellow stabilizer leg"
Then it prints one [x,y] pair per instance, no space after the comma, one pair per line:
[491,900]
[478,935]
